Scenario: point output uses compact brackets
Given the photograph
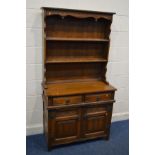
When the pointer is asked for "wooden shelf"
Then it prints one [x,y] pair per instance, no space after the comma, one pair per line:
[72,88]
[77,39]
[73,60]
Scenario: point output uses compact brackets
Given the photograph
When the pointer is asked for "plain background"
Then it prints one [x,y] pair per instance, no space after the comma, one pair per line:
[13,77]
[117,70]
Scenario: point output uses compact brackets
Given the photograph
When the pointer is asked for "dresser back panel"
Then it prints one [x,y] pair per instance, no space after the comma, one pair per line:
[68,49]
[72,27]
[74,71]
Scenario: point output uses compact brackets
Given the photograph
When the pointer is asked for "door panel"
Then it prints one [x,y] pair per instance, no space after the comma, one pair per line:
[66,129]
[95,125]
[67,126]
[95,121]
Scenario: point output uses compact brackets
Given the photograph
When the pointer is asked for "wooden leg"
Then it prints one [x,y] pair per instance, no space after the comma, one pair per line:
[49,145]
[49,148]
[43,119]
[107,137]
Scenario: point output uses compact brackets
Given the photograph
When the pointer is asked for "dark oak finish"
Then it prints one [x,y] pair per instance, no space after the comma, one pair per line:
[77,99]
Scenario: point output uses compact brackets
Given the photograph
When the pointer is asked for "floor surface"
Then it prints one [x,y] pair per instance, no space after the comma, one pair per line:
[118,144]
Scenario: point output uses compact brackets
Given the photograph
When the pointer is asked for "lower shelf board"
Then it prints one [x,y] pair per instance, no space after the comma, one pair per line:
[71,88]
[74,60]
[77,39]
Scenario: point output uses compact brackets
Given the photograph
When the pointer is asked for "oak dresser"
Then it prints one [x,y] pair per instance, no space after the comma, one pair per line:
[77,99]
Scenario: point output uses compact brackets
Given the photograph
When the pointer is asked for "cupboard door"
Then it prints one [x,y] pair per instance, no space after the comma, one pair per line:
[95,122]
[66,126]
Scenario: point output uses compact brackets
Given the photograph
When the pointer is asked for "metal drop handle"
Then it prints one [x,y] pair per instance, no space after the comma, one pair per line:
[67,101]
[98,98]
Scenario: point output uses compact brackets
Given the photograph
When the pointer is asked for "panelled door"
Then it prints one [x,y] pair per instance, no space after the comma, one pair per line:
[95,121]
[69,125]
[66,126]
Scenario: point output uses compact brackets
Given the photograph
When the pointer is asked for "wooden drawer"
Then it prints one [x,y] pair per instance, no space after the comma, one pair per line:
[67,100]
[99,97]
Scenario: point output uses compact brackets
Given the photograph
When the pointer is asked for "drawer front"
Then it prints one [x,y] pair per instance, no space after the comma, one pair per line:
[99,97]
[67,100]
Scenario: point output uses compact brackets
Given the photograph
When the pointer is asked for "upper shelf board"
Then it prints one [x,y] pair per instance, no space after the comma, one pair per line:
[76,39]
[74,60]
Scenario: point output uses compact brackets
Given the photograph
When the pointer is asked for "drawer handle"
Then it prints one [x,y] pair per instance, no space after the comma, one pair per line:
[67,101]
[107,95]
[98,98]
[49,13]
[85,116]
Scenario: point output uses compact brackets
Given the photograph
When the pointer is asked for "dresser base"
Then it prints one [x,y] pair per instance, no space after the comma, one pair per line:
[77,123]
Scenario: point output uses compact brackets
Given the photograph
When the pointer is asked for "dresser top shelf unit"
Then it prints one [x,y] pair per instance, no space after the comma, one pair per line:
[76,51]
